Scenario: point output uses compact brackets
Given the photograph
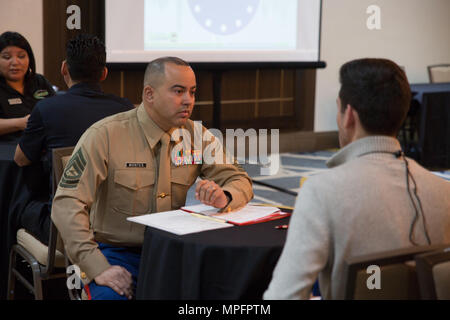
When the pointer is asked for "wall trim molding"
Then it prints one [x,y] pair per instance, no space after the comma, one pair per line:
[292,141]
[308,141]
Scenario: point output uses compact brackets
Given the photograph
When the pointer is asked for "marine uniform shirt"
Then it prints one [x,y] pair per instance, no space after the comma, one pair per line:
[13,104]
[113,175]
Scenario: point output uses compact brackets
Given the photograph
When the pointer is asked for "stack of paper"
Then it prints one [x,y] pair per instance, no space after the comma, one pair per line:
[198,218]
[247,215]
[179,222]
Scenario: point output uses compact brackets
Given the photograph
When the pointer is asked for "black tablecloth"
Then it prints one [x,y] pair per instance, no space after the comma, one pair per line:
[17,186]
[232,263]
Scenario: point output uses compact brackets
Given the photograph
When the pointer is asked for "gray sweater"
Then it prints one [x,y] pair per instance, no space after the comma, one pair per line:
[361,206]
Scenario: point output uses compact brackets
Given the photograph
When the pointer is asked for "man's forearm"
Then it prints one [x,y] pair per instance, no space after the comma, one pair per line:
[72,221]
[20,158]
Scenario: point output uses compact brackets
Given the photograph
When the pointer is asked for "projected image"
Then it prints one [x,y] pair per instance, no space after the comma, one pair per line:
[217,25]
[216,31]
[223,17]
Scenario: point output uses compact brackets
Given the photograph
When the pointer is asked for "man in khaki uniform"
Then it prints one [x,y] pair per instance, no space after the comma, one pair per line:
[121,167]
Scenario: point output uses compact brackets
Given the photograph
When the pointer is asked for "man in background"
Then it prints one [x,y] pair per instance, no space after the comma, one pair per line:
[61,120]
[373,199]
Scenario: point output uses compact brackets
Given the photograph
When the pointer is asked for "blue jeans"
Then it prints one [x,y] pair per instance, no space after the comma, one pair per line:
[120,256]
[316,289]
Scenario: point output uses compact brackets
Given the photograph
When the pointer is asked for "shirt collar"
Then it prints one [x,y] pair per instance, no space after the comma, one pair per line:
[85,86]
[364,145]
[5,86]
[151,130]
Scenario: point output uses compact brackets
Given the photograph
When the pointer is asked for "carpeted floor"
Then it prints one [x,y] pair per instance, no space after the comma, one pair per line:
[293,167]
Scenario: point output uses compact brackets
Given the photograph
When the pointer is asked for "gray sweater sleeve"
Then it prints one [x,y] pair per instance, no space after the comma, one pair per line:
[306,249]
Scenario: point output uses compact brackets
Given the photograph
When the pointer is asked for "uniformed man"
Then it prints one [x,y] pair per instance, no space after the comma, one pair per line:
[121,167]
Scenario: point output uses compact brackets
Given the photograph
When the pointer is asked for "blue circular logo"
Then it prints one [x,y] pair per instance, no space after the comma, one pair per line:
[223,17]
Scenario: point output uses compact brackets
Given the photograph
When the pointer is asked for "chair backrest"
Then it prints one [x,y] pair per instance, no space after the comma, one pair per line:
[439,73]
[60,159]
[397,277]
[58,156]
[433,272]
[434,131]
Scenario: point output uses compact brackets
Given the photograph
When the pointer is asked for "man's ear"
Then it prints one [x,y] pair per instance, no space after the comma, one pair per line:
[349,117]
[64,69]
[148,93]
[104,74]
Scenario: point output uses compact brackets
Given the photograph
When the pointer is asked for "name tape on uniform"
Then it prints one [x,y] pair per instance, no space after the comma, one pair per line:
[136,165]
[15,101]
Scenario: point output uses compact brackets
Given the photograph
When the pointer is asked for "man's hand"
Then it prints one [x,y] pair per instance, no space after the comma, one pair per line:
[21,123]
[208,192]
[118,279]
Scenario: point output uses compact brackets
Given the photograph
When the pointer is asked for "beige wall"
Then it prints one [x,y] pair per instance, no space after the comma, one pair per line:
[414,33]
[25,17]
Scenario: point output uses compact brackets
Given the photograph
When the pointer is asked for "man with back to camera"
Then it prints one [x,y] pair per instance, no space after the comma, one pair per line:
[61,120]
[362,205]
[121,167]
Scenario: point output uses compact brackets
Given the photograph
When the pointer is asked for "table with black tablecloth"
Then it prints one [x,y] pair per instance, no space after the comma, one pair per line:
[231,263]
[17,185]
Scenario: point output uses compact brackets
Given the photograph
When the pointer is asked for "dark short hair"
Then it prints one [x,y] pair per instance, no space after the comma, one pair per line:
[379,92]
[156,69]
[86,58]
[10,38]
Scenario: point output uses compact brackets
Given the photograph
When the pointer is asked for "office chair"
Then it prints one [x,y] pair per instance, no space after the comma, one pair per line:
[397,274]
[433,271]
[46,262]
[439,73]
[434,131]
[61,157]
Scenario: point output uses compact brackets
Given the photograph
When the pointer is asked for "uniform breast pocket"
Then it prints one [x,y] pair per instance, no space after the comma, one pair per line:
[184,175]
[133,190]
[182,178]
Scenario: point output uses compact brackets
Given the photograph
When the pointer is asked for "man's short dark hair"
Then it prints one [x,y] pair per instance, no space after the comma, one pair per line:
[155,70]
[379,92]
[86,58]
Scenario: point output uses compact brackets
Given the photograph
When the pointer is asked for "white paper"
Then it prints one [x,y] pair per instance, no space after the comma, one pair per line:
[245,214]
[202,209]
[178,222]
[248,213]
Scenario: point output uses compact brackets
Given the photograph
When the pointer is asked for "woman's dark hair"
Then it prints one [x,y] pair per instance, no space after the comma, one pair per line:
[10,38]
[86,58]
[379,92]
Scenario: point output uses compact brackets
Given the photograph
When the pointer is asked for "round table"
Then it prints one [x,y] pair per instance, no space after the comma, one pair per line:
[231,263]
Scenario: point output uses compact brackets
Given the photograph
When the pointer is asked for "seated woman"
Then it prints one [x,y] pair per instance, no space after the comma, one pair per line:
[20,87]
